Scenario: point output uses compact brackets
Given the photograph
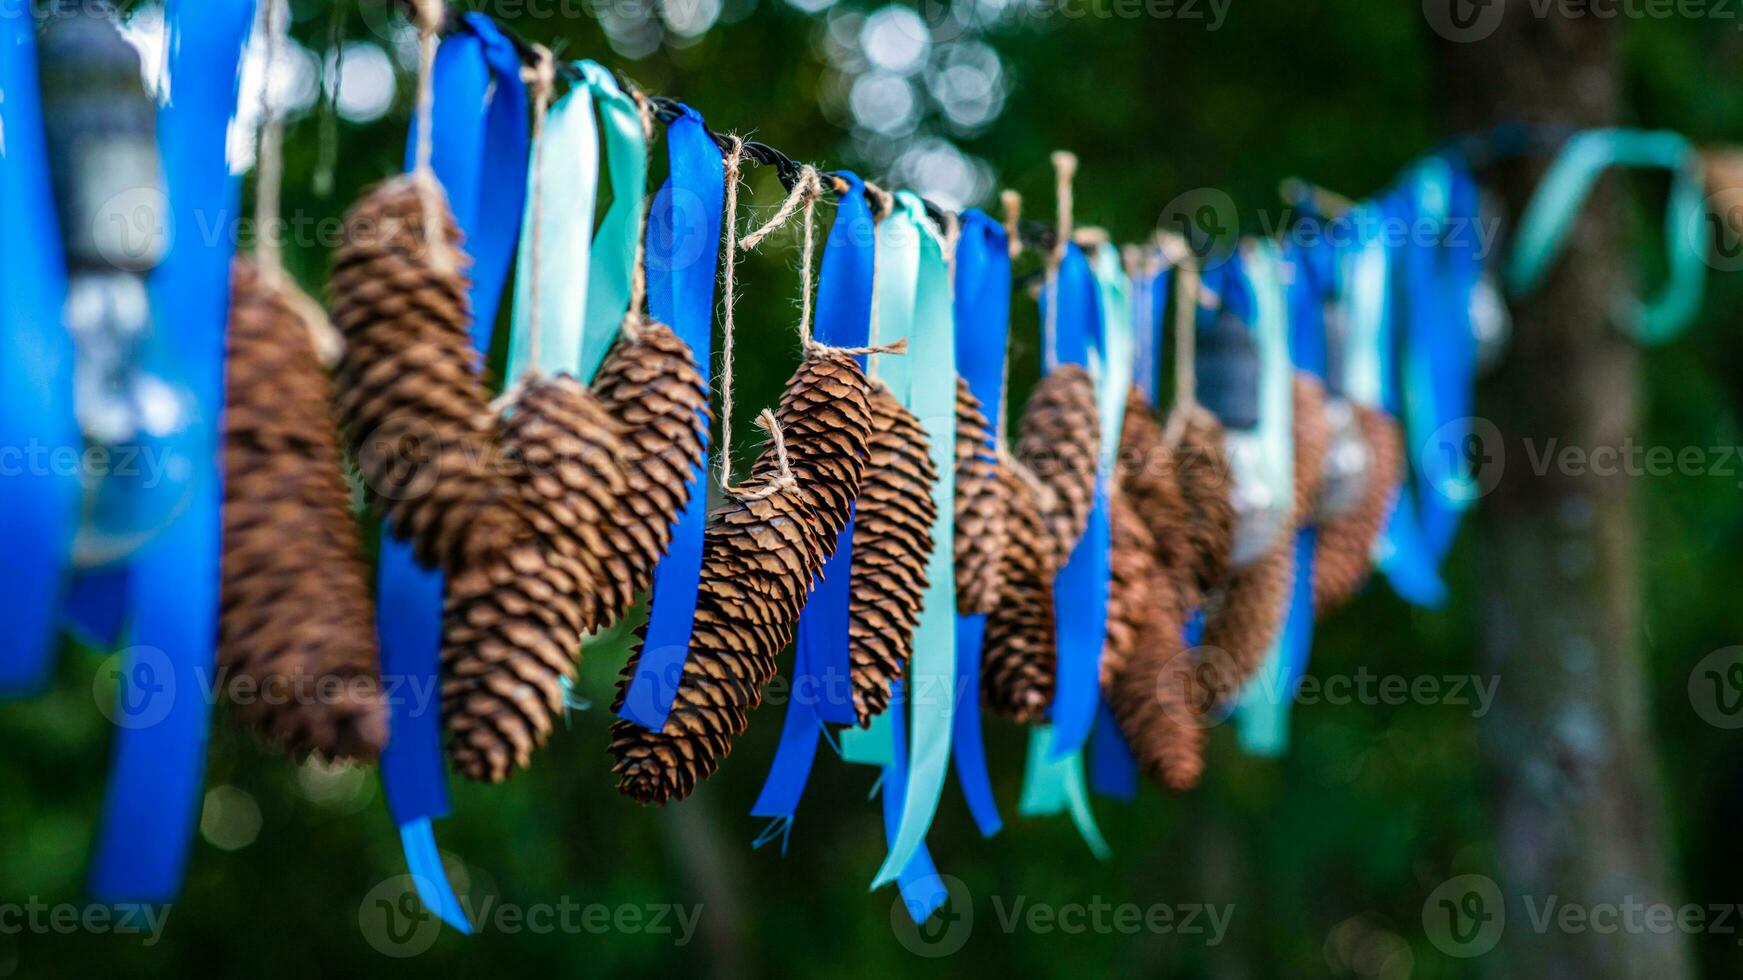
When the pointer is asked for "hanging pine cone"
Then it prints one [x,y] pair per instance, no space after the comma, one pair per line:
[1150,481]
[1312,434]
[1058,441]
[1134,581]
[1343,552]
[1159,705]
[759,557]
[892,542]
[410,398]
[979,540]
[295,614]
[648,383]
[1206,485]
[514,620]
[1019,658]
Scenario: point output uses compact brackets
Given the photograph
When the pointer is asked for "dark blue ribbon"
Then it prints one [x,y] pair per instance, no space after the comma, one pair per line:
[983,322]
[161,719]
[479,134]
[38,505]
[683,243]
[821,689]
[1081,588]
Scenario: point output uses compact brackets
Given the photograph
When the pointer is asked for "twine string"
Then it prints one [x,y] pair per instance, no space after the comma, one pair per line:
[1013,205]
[638,282]
[1185,346]
[269,154]
[430,16]
[729,279]
[784,479]
[543,78]
[1064,168]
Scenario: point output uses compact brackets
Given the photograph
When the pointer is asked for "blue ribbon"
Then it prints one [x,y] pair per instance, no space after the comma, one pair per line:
[1081,587]
[821,689]
[983,321]
[921,888]
[683,244]
[161,713]
[479,134]
[39,507]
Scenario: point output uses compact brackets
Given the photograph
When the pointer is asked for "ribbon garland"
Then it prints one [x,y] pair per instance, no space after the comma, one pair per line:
[479,134]
[39,508]
[983,318]
[821,691]
[158,760]
[682,252]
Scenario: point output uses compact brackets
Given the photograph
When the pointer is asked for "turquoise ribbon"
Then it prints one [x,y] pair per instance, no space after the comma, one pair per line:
[1555,207]
[1054,783]
[925,381]
[613,261]
[39,510]
[566,167]
[1263,709]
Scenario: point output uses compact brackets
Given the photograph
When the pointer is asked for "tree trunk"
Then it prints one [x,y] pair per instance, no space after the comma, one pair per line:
[1569,740]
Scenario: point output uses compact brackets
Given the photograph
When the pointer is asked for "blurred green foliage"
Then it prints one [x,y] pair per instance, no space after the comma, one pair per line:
[1327,855]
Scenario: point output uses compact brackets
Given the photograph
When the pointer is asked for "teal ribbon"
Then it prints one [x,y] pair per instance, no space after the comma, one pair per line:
[1556,204]
[565,168]
[925,381]
[612,263]
[1262,714]
[1054,784]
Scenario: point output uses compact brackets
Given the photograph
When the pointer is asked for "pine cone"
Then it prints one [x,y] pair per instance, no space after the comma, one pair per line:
[1150,481]
[1246,622]
[648,383]
[1343,552]
[514,620]
[410,398]
[1158,704]
[979,527]
[1133,582]
[1019,657]
[758,561]
[892,542]
[1206,484]
[295,613]
[1058,441]
[1312,435]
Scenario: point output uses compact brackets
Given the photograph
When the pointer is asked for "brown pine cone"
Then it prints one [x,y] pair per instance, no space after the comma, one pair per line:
[410,398]
[1134,586]
[892,543]
[1059,440]
[1312,435]
[514,620]
[1159,705]
[1019,658]
[1241,629]
[295,613]
[1206,485]
[759,557]
[979,526]
[649,383]
[1343,551]
[1150,481]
